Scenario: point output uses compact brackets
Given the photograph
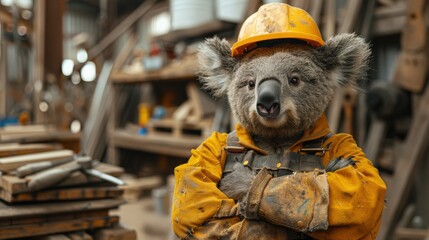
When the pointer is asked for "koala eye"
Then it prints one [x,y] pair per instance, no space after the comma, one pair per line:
[251,84]
[294,81]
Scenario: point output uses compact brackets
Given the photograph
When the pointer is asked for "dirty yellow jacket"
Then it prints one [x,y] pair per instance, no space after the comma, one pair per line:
[202,211]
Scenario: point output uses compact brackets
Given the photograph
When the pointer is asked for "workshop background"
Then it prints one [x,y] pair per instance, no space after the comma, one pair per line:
[95,92]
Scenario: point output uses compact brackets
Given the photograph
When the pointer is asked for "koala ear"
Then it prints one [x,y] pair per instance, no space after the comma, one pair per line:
[345,57]
[216,65]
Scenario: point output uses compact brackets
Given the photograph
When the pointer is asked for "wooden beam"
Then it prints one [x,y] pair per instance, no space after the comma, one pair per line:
[54,12]
[39,59]
[57,226]
[316,10]
[330,19]
[2,73]
[14,162]
[116,232]
[55,208]
[121,28]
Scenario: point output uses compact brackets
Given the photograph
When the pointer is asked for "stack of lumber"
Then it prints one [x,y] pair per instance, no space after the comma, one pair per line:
[77,207]
[38,134]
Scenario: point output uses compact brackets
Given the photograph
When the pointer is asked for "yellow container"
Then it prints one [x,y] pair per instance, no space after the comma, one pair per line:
[144,114]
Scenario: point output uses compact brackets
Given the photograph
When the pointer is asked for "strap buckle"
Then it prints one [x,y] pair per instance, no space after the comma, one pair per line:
[313,150]
[235,149]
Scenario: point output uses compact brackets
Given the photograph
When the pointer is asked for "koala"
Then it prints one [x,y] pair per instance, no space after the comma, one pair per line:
[305,80]
[276,92]
[239,185]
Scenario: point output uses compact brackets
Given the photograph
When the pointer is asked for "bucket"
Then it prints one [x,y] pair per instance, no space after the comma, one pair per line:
[161,200]
[190,13]
[231,10]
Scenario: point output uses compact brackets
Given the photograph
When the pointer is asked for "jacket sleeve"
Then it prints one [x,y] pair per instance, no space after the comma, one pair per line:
[196,196]
[201,210]
[357,193]
[348,202]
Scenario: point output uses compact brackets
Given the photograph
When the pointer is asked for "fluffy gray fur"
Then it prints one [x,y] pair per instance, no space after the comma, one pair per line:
[237,183]
[340,62]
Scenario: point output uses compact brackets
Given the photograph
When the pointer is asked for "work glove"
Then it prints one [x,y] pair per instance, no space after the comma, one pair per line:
[298,201]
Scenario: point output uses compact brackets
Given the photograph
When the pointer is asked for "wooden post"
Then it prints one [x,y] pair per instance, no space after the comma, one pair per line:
[2,74]
[39,52]
[48,45]
[53,56]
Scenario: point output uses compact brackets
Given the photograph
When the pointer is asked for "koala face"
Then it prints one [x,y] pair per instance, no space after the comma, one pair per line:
[282,90]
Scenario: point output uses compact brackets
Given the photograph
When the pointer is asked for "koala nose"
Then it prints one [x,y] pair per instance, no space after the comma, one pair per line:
[268,99]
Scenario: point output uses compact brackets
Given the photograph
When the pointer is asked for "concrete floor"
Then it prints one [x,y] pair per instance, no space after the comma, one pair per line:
[141,216]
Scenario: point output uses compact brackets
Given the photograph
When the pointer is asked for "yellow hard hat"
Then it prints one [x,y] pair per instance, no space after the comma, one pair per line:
[277,21]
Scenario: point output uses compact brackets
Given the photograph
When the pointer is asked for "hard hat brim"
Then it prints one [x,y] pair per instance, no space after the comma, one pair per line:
[239,47]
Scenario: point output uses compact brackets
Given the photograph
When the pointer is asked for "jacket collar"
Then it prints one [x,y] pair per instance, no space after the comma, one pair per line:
[319,129]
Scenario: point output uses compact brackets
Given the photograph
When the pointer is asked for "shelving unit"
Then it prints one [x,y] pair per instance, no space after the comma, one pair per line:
[184,70]
[166,144]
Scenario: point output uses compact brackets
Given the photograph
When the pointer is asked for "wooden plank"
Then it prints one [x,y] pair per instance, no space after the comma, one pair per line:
[14,162]
[414,148]
[411,233]
[115,233]
[82,193]
[7,150]
[53,237]
[121,28]
[12,129]
[14,221]
[15,185]
[12,232]
[16,211]
[54,135]
[79,236]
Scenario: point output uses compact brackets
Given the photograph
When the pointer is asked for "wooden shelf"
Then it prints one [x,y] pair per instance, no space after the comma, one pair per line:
[199,31]
[40,137]
[179,70]
[159,143]
[150,77]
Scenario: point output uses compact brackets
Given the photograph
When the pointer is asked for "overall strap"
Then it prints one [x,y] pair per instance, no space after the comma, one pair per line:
[307,159]
[234,151]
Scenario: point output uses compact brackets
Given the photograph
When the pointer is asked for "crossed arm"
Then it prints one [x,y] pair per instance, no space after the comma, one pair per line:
[353,196]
